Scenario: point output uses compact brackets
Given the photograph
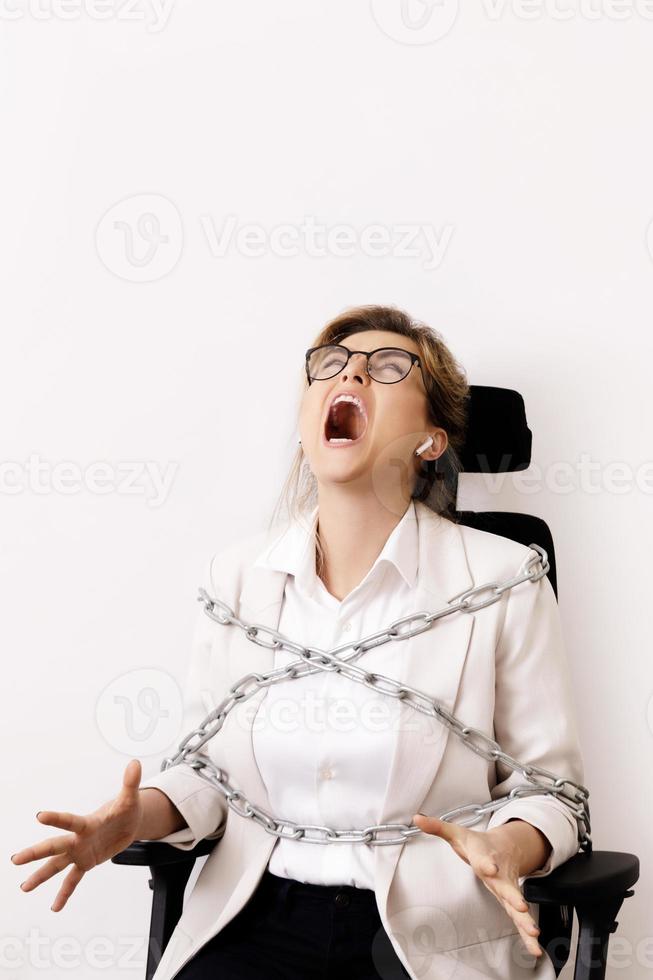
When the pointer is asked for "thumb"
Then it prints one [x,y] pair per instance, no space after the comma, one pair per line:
[433,825]
[132,776]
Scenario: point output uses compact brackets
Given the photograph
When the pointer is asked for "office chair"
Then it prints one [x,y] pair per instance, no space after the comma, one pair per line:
[593,884]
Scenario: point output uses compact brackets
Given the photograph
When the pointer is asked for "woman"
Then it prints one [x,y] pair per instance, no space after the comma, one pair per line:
[362,548]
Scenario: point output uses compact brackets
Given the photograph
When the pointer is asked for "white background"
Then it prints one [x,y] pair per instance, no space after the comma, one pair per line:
[520,137]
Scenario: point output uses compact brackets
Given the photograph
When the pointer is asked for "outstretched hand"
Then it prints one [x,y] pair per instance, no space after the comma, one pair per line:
[91,839]
[496,863]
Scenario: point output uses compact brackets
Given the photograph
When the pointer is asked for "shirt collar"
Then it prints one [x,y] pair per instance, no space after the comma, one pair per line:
[293,551]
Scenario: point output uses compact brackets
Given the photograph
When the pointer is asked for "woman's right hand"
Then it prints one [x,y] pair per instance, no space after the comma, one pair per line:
[94,838]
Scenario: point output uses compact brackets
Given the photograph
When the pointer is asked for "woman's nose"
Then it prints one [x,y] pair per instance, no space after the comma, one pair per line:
[356,367]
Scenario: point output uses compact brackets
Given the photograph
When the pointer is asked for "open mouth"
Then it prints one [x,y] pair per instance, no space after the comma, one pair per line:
[346,422]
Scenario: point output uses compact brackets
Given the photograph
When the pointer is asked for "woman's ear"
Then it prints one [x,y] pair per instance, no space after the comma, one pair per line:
[436,448]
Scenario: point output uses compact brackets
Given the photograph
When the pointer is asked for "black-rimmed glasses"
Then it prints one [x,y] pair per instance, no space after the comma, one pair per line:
[387,365]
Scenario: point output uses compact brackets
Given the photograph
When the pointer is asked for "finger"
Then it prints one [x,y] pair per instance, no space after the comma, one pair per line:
[65,821]
[441,828]
[525,921]
[504,891]
[69,885]
[131,778]
[49,868]
[45,848]
[530,942]
[528,929]
[510,892]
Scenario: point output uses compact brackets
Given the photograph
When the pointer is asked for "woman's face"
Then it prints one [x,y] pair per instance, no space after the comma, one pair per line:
[378,446]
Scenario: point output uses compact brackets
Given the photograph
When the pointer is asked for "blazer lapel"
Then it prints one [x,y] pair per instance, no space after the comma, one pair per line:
[259,605]
[431,661]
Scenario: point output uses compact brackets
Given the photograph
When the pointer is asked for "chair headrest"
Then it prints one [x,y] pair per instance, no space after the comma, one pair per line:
[498,439]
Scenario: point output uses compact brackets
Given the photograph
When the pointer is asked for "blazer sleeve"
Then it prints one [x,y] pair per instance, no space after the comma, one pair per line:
[534,719]
[203,806]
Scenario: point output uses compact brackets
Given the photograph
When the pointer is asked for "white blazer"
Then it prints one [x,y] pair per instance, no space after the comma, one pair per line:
[502,669]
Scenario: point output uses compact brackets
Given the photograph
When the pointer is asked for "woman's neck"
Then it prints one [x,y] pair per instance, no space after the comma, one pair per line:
[353,531]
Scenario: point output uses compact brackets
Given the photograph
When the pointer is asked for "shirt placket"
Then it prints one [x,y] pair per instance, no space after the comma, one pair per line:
[328,765]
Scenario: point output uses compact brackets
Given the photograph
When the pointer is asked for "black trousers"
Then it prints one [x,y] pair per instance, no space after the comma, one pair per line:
[289,930]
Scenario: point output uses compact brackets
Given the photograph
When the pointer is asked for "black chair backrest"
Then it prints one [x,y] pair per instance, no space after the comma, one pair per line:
[498,440]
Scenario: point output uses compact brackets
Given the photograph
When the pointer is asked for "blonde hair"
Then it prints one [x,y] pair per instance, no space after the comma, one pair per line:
[448,395]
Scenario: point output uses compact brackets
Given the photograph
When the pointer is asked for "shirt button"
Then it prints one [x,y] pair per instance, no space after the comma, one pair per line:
[326,773]
[346,627]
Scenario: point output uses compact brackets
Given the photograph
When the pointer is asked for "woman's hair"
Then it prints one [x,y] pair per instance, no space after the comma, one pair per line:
[448,395]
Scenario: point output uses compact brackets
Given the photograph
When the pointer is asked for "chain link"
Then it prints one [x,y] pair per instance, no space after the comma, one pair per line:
[312,659]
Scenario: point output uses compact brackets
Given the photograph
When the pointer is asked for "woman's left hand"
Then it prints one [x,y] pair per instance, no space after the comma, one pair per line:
[496,861]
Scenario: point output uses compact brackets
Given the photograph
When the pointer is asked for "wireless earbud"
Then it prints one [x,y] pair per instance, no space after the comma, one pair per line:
[425,445]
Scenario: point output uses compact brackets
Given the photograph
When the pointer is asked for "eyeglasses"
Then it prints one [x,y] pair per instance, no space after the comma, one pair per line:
[387,365]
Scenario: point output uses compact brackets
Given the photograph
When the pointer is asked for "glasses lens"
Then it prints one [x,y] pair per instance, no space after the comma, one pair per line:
[325,362]
[389,365]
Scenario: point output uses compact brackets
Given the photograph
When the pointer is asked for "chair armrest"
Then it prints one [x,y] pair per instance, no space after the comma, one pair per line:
[171,868]
[153,854]
[585,878]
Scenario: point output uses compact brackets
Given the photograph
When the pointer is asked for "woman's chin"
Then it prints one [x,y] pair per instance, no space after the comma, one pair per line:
[342,460]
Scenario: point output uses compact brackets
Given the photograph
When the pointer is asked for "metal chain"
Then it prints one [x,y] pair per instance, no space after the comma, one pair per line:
[576,797]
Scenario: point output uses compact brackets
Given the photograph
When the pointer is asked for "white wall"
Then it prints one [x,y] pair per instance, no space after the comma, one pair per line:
[515,142]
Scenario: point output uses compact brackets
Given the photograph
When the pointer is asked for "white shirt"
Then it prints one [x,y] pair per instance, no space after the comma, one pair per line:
[322,740]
